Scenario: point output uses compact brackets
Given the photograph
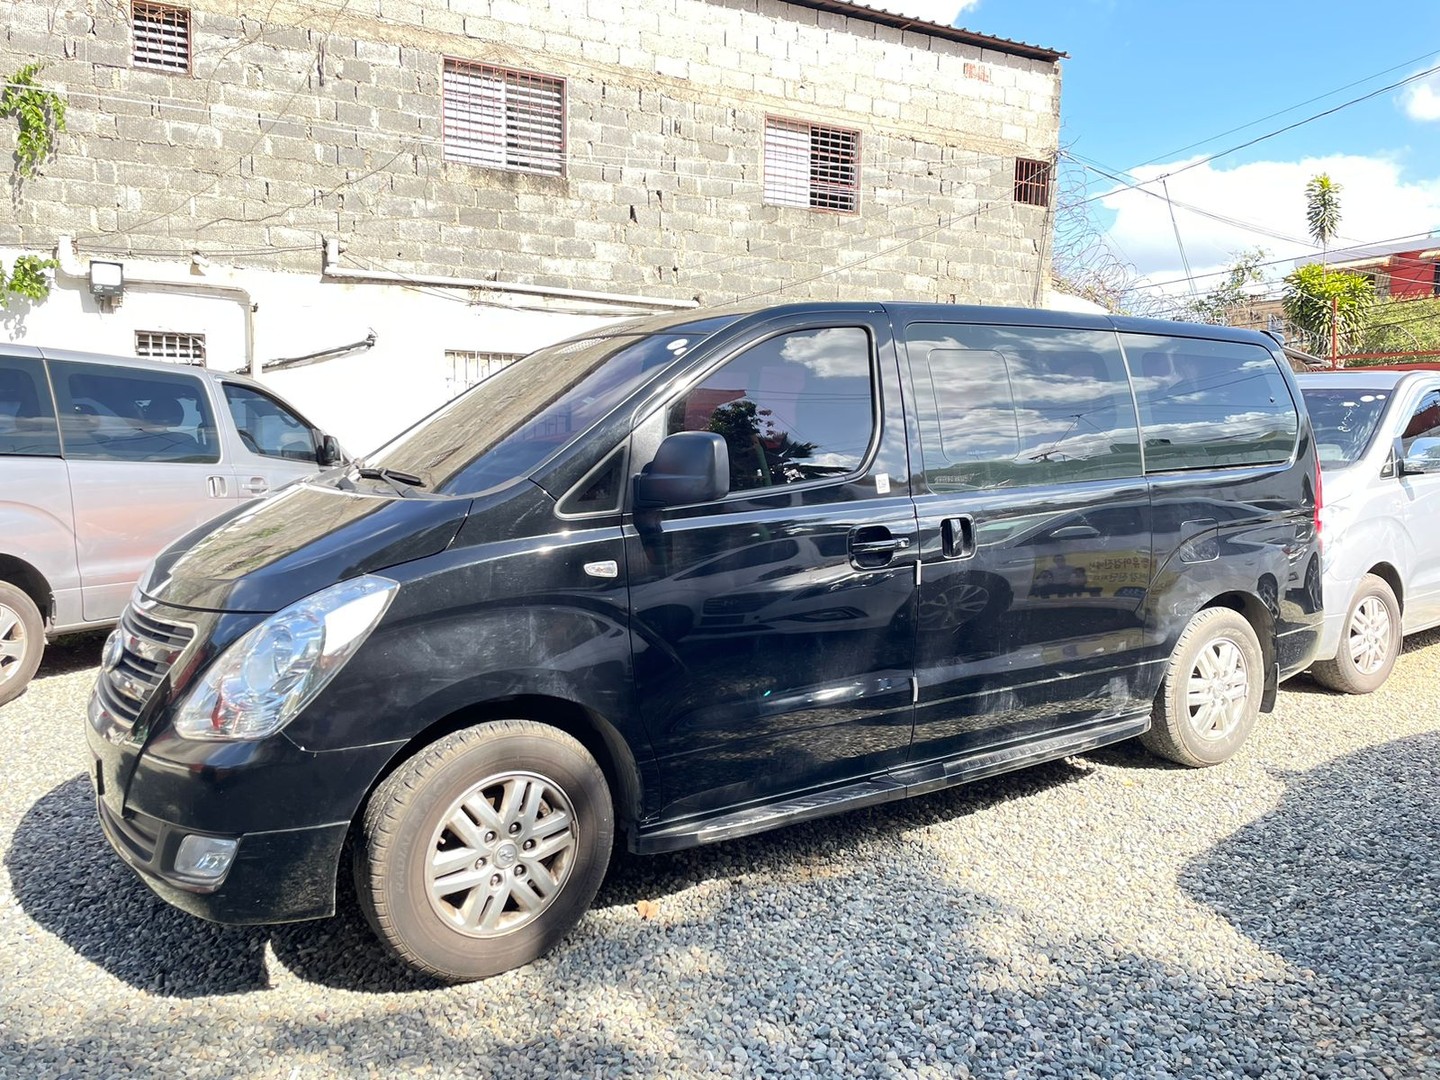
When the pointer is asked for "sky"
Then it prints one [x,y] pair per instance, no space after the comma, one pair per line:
[1152,86]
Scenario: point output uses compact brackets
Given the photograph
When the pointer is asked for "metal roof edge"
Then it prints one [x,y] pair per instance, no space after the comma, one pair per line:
[922,26]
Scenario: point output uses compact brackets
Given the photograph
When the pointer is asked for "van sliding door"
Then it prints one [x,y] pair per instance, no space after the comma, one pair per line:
[1035,536]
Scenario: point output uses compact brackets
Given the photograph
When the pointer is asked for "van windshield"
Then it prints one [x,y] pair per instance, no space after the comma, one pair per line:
[506,425]
[1344,420]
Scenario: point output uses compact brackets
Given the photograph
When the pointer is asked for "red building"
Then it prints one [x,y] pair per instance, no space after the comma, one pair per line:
[1405,269]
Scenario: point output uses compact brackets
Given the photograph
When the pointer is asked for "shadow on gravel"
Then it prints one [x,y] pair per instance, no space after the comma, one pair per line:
[650,877]
[71,654]
[103,911]
[1350,890]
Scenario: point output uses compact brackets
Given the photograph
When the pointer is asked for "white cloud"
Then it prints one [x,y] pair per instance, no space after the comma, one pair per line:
[1265,204]
[944,12]
[1421,100]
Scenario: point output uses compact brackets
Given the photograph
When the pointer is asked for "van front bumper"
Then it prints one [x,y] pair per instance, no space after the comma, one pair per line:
[274,877]
[286,809]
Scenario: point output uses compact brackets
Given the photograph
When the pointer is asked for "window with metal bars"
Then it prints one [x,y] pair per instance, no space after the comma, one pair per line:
[503,119]
[179,348]
[161,36]
[1032,182]
[813,166]
[467,367]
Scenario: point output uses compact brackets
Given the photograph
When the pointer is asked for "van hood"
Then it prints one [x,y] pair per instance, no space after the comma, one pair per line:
[264,556]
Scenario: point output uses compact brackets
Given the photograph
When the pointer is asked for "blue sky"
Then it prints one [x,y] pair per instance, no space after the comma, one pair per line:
[1152,85]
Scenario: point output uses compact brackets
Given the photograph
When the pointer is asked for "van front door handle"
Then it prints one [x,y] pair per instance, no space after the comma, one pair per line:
[256,485]
[878,547]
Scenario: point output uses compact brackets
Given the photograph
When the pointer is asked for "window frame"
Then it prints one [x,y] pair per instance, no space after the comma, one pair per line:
[180,337]
[159,16]
[1033,182]
[771,195]
[653,429]
[475,132]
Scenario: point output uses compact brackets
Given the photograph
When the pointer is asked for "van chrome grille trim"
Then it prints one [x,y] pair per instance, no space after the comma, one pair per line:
[149,649]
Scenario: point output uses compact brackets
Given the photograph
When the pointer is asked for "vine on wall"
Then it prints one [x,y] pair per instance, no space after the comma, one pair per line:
[40,114]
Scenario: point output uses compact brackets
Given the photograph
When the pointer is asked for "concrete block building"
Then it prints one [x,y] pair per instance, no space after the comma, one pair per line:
[374,202]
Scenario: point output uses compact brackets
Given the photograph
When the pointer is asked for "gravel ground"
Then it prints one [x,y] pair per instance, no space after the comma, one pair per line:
[1102,916]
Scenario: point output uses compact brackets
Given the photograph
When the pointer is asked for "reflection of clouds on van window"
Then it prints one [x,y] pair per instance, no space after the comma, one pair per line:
[837,352]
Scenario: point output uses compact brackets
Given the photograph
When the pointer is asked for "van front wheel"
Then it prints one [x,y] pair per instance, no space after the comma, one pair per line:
[22,641]
[1210,698]
[480,853]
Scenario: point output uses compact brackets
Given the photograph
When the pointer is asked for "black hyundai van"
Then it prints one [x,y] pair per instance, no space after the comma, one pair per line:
[693,577]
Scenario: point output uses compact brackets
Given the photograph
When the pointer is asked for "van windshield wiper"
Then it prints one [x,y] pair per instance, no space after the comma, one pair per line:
[402,482]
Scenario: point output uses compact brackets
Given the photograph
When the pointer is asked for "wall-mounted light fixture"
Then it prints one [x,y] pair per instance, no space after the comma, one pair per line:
[107,280]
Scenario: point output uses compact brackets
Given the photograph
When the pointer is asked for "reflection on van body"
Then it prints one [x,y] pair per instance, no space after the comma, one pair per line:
[704,575]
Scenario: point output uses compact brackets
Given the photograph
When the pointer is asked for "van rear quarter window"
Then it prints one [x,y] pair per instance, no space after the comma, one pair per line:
[27,418]
[1207,403]
[1004,406]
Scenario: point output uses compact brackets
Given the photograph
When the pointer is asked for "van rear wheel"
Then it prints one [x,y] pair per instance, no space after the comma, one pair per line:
[22,641]
[480,853]
[1209,701]
[1369,644]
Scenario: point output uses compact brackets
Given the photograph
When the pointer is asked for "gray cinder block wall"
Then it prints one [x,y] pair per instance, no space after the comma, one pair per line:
[324,120]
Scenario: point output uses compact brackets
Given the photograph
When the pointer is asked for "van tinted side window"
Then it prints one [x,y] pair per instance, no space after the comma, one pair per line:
[27,418]
[1014,406]
[1208,403]
[121,414]
[797,407]
[268,428]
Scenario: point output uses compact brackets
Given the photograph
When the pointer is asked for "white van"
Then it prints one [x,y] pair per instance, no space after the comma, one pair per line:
[104,461]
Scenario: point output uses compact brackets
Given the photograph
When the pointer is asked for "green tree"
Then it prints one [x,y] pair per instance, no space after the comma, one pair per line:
[1322,210]
[1228,302]
[1317,304]
[1399,325]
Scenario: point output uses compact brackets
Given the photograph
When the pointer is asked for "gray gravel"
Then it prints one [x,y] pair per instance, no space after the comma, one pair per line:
[1103,916]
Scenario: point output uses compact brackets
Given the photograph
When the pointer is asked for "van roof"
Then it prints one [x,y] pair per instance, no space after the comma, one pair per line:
[37,352]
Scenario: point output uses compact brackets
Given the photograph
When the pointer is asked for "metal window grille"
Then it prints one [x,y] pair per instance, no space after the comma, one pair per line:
[810,165]
[161,36]
[503,119]
[467,367]
[1032,182]
[179,348]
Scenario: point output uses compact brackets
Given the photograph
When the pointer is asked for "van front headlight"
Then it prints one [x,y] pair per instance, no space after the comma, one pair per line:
[261,682]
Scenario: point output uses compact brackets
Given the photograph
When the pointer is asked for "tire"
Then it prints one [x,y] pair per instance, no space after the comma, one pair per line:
[1210,697]
[22,641]
[483,910]
[1370,642]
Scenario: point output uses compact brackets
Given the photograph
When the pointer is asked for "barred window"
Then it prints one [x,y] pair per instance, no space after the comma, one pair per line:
[179,348]
[161,36]
[503,119]
[1032,182]
[810,165]
[465,367]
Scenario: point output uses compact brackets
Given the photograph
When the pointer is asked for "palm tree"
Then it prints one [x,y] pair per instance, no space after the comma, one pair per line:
[1322,210]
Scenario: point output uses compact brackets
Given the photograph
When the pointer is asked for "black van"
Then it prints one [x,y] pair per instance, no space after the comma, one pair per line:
[694,577]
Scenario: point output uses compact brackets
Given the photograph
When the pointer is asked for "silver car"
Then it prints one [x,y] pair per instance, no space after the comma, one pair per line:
[103,461]
[1377,432]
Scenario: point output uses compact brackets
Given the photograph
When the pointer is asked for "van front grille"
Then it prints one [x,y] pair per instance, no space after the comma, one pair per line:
[148,650]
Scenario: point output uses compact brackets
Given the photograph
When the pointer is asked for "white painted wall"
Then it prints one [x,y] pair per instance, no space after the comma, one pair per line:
[361,398]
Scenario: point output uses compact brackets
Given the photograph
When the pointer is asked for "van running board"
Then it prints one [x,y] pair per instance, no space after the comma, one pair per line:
[913,780]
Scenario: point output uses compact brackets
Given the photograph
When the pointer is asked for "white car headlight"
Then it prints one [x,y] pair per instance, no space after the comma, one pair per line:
[261,682]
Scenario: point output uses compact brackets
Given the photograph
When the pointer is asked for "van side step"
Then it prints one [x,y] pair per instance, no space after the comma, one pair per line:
[915,780]
[754,819]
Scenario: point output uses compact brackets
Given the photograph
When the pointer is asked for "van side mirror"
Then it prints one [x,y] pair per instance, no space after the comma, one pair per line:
[1422,457]
[689,467]
[329,452]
